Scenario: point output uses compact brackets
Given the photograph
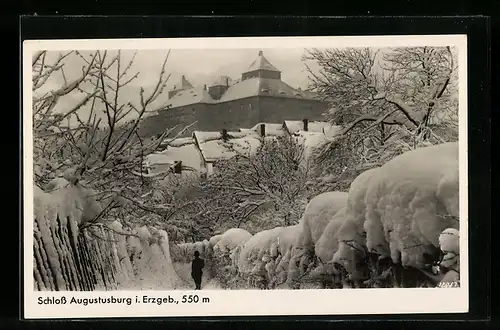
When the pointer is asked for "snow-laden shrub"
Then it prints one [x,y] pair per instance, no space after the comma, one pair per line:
[256,248]
[319,211]
[287,238]
[410,200]
[225,254]
[119,236]
[328,243]
[149,249]
[352,236]
[449,243]
[232,238]
[214,240]
[66,200]
[321,271]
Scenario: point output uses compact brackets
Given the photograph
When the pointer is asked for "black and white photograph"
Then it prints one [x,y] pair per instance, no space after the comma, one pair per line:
[185,172]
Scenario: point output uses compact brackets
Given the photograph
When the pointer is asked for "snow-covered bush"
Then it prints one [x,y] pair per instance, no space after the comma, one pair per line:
[410,200]
[214,240]
[258,247]
[352,235]
[225,254]
[232,238]
[449,243]
[327,245]
[318,213]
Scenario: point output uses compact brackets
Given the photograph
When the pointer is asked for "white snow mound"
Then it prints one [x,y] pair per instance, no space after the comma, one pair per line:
[410,200]
[232,238]
[352,235]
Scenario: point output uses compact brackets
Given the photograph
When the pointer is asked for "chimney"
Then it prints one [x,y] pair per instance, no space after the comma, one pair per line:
[224,134]
[262,130]
[205,87]
[261,53]
[306,124]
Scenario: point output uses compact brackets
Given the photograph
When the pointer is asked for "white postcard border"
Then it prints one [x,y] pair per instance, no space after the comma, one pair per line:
[250,302]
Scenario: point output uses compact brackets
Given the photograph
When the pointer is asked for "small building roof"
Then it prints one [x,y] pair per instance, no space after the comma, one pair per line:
[214,148]
[295,126]
[310,141]
[180,150]
[209,145]
[271,129]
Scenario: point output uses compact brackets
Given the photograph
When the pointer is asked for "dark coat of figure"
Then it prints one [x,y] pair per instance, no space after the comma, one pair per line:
[197,269]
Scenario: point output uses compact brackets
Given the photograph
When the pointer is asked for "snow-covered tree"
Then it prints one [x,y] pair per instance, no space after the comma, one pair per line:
[388,101]
[94,141]
[272,181]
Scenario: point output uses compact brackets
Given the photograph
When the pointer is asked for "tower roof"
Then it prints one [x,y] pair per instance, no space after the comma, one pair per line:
[183,84]
[261,63]
[222,81]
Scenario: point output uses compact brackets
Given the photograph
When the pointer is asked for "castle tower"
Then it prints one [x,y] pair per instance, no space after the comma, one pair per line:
[183,85]
[219,87]
[261,68]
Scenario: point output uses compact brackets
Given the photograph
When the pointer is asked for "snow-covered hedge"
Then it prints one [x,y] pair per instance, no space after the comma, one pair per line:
[318,214]
[352,235]
[231,239]
[410,200]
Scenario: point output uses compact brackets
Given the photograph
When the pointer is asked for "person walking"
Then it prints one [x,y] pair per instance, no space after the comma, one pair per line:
[197,269]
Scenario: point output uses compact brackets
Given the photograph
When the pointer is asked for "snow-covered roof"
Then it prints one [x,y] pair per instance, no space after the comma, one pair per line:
[215,148]
[149,114]
[177,142]
[187,153]
[261,63]
[263,87]
[310,141]
[294,126]
[222,81]
[209,145]
[271,129]
[189,96]
[203,136]
[183,84]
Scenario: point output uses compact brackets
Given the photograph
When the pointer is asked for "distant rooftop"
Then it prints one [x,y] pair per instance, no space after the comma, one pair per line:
[209,146]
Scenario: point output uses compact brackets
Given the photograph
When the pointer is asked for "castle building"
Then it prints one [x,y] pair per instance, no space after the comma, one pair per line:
[260,95]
